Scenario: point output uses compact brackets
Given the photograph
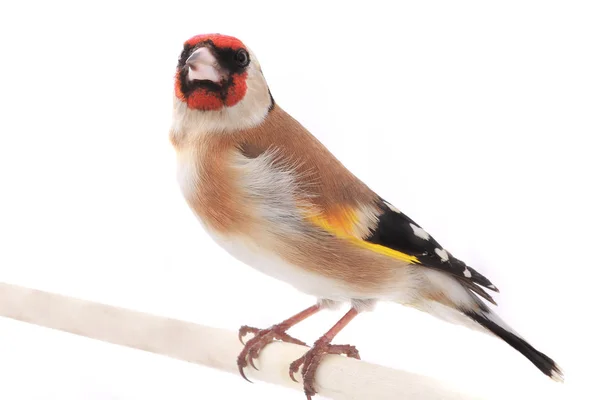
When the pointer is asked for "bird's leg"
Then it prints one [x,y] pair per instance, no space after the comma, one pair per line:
[310,361]
[263,337]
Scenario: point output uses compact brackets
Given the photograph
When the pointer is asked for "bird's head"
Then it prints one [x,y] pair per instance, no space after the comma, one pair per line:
[219,85]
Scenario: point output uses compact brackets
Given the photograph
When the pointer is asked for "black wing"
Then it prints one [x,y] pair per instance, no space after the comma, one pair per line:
[397,231]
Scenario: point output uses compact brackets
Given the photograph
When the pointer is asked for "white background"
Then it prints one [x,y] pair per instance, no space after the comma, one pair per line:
[478,119]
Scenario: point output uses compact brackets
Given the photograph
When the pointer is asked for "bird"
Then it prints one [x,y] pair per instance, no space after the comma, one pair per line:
[270,194]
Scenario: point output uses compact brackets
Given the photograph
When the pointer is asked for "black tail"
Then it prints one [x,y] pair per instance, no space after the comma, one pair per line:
[539,359]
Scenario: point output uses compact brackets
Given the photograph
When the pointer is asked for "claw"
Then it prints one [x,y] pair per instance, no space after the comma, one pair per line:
[252,355]
[294,367]
[244,330]
[311,360]
[251,362]
[241,364]
[254,346]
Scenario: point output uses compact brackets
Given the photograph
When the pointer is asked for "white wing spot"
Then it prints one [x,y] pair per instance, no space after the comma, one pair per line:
[443,254]
[419,232]
[467,272]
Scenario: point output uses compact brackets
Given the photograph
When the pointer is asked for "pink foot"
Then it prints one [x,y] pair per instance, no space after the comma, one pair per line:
[311,360]
[262,337]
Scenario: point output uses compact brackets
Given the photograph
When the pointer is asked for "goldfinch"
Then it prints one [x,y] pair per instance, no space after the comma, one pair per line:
[269,193]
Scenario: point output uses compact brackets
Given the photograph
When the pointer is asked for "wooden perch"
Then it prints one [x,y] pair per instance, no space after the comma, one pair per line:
[337,378]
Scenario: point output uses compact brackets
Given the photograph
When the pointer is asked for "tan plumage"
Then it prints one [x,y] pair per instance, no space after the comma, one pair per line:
[274,197]
[230,201]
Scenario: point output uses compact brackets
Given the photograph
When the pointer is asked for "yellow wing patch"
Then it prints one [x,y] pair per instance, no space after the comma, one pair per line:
[342,224]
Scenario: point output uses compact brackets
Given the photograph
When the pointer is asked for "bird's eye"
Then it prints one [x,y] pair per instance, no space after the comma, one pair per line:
[241,58]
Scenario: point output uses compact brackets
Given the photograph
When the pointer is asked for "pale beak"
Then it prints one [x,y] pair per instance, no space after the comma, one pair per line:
[204,66]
